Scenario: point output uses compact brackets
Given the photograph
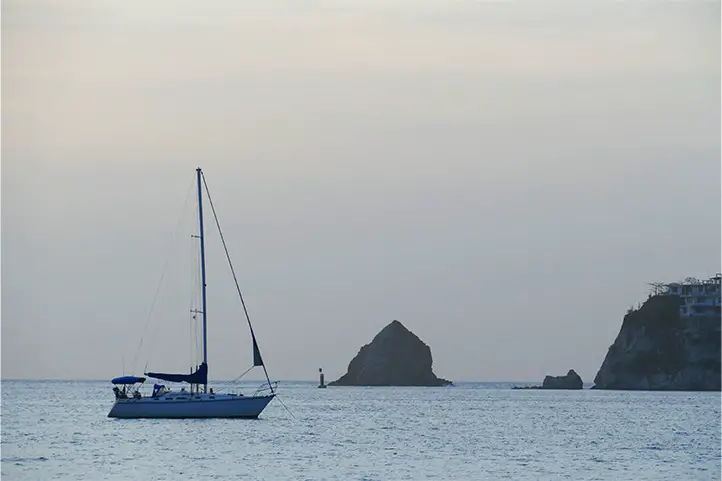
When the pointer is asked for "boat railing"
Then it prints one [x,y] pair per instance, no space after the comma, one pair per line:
[266,388]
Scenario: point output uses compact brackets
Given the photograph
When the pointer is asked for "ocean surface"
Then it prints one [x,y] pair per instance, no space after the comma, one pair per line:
[475,431]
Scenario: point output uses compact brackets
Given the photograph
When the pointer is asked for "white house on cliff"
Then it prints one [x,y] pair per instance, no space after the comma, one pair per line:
[697,298]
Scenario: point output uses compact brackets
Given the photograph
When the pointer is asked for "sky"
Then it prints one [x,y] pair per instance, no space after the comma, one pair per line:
[504,178]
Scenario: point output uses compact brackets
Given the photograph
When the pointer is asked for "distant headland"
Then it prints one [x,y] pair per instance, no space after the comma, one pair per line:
[670,343]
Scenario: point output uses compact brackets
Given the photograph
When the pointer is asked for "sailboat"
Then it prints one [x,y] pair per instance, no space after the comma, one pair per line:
[198,401]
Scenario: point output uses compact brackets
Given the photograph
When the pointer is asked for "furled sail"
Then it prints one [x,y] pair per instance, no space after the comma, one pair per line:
[198,377]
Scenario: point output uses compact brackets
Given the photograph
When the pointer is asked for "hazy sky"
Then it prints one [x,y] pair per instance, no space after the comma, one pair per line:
[503,178]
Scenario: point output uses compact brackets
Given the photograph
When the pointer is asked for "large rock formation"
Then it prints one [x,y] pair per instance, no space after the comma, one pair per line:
[395,357]
[656,349]
[570,381]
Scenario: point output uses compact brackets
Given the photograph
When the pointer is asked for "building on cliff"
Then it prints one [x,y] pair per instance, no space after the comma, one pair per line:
[696,298]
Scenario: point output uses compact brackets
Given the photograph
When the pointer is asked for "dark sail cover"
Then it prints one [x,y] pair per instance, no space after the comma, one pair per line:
[257,360]
[198,377]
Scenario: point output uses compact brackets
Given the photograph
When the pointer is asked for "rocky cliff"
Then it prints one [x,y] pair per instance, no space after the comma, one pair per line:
[395,357]
[656,349]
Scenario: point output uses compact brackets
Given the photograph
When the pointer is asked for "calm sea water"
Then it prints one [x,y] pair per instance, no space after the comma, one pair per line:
[59,430]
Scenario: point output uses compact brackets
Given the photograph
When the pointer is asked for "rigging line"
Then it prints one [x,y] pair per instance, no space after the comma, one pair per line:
[190,333]
[198,283]
[191,314]
[192,295]
[199,300]
[282,404]
[192,301]
[244,373]
[162,276]
[198,295]
[235,279]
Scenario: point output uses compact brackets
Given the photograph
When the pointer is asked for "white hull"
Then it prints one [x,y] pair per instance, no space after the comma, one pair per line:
[186,405]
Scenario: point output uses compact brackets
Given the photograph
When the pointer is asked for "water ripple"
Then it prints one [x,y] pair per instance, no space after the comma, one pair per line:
[473,431]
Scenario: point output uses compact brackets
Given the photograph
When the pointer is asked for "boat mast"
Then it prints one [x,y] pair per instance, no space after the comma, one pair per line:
[203,269]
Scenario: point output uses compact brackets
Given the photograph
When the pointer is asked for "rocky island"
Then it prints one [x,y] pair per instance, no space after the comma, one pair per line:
[572,380]
[665,345]
[395,357]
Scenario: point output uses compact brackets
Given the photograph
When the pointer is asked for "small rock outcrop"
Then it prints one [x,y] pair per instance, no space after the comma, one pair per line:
[395,357]
[570,381]
[657,349]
